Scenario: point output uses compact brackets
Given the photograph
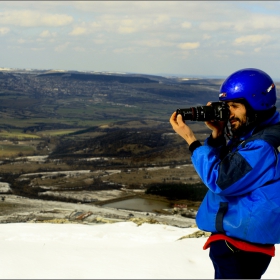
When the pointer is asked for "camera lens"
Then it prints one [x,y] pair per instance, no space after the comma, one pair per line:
[217,111]
[187,114]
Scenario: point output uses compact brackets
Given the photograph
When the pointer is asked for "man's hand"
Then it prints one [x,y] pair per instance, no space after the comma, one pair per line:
[181,128]
[217,127]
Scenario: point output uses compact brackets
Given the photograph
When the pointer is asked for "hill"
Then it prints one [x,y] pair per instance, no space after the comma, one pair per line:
[36,101]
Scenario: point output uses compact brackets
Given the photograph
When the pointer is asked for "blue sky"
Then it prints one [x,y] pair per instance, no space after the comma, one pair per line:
[211,38]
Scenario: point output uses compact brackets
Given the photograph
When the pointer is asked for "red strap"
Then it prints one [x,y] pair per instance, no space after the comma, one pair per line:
[241,245]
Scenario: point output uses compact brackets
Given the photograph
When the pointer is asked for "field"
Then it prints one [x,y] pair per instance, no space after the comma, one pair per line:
[77,141]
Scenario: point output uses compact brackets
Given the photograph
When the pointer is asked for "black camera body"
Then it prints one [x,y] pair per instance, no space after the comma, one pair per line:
[217,111]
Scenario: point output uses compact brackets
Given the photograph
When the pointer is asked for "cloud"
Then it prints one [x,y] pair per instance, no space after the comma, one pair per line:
[61,48]
[153,30]
[215,25]
[99,41]
[37,49]
[189,45]
[206,37]
[252,39]
[78,31]
[126,29]
[56,20]
[154,43]
[257,49]
[126,26]
[161,19]
[245,24]
[86,28]
[110,23]
[238,52]
[4,30]
[186,24]
[21,41]
[28,18]
[79,49]
[259,22]
[123,50]
[47,34]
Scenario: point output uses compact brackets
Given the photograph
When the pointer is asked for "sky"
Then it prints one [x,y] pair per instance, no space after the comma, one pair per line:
[106,251]
[203,38]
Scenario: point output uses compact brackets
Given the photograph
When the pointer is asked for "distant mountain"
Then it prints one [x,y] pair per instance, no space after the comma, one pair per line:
[99,77]
[49,99]
[35,100]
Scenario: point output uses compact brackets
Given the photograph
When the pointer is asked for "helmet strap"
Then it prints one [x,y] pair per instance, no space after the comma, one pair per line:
[227,132]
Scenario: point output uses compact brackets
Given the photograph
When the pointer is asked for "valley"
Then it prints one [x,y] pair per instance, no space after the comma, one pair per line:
[71,138]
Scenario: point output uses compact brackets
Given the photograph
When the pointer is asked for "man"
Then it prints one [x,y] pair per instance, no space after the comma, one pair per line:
[242,205]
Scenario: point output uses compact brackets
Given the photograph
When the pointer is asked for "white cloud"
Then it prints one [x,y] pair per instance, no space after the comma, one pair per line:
[206,36]
[28,18]
[126,26]
[252,39]
[78,31]
[161,30]
[215,25]
[37,49]
[161,19]
[238,52]
[86,28]
[4,30]
[186,24]
[47,34]
[126,29]
[21,41]
[62,47]
[79,49]
[94,26]
[99,41]
[56,20]
[106,23]
[258,22]
[123,50]
[154,43]
[189,45]
[243,24]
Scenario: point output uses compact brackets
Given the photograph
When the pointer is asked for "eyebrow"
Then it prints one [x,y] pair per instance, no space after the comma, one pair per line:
[234,103]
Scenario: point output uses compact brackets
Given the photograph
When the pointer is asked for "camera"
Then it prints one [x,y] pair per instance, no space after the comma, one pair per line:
[217,111]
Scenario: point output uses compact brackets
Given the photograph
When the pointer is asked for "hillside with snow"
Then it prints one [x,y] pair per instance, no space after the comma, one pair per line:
[106,251]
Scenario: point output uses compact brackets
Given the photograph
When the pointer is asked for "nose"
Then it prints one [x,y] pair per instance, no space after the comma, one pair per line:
[231,112]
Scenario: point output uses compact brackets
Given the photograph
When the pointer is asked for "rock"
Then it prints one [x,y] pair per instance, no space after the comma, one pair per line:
[140,221]
[197,234]
[55,221]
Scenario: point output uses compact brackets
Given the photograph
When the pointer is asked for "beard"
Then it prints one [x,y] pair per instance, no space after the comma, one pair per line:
[238,128]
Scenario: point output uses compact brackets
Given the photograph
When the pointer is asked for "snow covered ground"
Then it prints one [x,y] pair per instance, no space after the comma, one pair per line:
[105,251]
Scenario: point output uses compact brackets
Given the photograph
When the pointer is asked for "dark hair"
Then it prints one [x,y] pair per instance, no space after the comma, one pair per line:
[254,118]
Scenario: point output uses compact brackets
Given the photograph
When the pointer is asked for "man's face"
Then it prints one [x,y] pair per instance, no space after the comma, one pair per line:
[237,117]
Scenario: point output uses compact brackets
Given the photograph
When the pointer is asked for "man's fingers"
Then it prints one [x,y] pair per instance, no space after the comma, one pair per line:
[180,120]
[173,117]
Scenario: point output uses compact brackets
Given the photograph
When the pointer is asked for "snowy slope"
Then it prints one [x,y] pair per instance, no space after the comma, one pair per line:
[116,251]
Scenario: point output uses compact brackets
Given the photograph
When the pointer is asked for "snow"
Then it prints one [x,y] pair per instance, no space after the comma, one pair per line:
[105,251]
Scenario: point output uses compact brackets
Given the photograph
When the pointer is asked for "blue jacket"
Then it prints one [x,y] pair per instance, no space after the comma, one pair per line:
[243,199]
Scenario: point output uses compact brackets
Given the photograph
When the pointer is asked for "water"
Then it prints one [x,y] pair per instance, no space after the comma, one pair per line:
[140,204]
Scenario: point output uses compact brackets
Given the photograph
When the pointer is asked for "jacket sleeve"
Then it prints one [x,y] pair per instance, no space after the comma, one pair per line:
[240,172]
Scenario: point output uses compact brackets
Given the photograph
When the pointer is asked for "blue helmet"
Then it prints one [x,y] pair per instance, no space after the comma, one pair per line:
[253,85]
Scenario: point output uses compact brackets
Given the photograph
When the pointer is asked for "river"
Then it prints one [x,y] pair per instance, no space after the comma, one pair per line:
[140,204]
